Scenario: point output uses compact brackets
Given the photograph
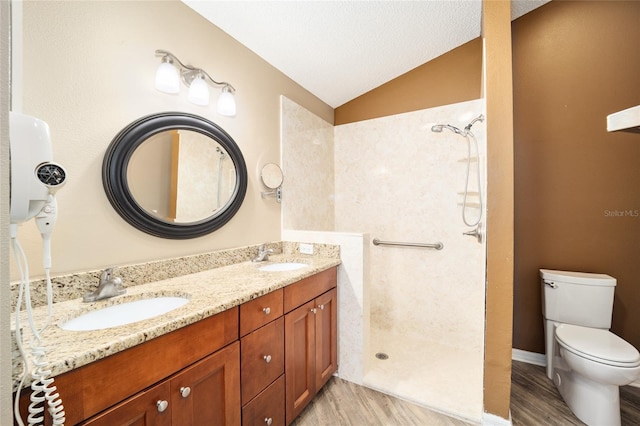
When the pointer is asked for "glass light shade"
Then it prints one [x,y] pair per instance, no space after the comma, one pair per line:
[226,103]
[167,78]
[199,92]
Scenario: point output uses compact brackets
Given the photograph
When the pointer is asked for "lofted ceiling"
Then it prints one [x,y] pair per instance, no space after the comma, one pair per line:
[341,49]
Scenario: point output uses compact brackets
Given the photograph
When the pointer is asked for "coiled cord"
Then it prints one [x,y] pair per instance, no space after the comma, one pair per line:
[43,390]
[42,386]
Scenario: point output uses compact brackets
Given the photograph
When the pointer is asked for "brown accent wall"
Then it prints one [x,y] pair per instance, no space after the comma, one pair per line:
[577,187]
[453,77]
[496,31]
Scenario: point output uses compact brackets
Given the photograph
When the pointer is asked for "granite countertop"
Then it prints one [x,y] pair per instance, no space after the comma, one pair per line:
[209,292]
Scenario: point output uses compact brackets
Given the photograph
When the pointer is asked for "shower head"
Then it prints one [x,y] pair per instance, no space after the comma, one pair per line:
[438,128]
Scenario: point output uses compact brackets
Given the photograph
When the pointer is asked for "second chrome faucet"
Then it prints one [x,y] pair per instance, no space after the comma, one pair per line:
[263,253]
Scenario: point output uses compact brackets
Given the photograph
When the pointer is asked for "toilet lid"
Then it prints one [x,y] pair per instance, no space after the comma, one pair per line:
[598,345]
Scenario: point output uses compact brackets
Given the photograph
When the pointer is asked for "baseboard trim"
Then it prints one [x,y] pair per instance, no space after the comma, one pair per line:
[529,357]
[489,419]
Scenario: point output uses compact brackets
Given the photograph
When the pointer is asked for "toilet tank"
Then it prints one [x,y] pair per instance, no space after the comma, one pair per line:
[577,297]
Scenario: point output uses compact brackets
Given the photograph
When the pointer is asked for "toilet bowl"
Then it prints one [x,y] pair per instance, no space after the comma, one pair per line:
[586,361]
[598,354]
[593,364]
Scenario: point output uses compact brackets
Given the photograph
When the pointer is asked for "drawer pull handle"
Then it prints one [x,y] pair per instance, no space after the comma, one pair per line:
[266,310]
[314,310]
[268,421]
[321,307]
[162,405]
[267,358]
[185,391]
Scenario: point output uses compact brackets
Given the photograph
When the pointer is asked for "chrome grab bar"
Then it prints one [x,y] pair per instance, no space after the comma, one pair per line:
[437,246]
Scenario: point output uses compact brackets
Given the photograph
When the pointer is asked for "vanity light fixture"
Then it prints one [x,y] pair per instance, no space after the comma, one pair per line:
[172,70]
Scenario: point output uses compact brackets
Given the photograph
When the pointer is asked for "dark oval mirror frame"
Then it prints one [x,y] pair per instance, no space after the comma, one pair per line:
[122,147]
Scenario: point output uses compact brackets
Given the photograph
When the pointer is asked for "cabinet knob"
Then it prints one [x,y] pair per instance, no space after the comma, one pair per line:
[321,307]
[267,358]
[185,391]
[268,421]
[314,310]
[266,310]
[162,405]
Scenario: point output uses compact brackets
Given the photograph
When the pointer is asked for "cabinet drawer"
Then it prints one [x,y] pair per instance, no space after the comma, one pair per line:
[258,312]
[262,358]
[309,288]
[267,405]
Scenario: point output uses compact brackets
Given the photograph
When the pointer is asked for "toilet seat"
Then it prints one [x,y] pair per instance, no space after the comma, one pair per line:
[597,345]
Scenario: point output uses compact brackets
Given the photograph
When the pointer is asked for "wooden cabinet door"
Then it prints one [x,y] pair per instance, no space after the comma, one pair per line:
[299,326]
[208,392]
[326,337]
[148,408]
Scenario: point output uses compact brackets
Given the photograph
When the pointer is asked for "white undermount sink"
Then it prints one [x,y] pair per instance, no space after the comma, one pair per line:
[124,313]
[283,266]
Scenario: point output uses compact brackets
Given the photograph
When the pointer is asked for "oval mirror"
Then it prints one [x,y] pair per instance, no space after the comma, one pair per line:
[271,176]
[174,175]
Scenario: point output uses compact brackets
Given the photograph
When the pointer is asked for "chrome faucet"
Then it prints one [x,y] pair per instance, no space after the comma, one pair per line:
[263,253]
[109,286]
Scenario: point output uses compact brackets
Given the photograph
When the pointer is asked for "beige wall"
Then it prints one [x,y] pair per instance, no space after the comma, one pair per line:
[574,63]
[89,71]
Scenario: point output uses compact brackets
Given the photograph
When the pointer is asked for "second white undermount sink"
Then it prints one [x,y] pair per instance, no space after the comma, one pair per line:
[281,267]
[124,313]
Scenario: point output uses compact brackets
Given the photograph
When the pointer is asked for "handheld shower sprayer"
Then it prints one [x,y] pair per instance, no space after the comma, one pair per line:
[466,133]
[438,128]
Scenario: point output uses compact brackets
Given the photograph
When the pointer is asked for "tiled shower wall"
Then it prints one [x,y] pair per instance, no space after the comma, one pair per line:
[307,163]
[399,181]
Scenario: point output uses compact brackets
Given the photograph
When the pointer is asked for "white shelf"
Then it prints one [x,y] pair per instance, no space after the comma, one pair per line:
[627,120]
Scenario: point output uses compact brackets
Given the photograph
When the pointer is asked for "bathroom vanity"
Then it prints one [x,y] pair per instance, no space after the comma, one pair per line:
[252,353]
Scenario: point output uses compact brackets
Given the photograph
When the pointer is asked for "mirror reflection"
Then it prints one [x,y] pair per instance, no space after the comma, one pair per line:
[271,175]
[181,176]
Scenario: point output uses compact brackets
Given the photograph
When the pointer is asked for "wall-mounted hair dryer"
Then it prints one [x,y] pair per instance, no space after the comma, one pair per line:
[34,177]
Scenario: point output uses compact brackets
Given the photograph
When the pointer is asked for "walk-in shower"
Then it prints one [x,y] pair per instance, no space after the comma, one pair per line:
[411,317]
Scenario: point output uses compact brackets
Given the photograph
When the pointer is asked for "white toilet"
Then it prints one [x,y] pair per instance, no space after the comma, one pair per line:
[585,360]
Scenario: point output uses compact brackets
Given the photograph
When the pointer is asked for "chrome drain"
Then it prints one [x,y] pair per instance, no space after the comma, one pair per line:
[382,356]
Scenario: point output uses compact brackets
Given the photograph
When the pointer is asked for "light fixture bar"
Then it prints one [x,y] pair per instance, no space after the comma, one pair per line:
[172,69]
[188,72]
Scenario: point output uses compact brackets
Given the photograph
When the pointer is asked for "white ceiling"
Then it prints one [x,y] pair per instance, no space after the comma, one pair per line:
[340,49]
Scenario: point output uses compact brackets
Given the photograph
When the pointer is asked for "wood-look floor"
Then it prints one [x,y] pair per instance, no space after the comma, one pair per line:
[534,401]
